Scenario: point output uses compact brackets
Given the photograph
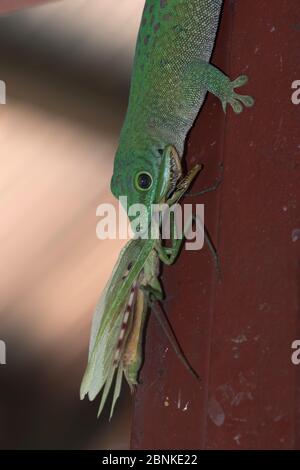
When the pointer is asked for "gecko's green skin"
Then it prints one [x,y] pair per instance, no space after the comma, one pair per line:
[170,78]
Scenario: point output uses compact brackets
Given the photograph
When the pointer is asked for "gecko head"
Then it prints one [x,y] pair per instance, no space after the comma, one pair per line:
[148,181]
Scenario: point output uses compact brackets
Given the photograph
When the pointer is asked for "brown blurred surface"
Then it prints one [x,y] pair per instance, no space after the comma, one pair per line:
[7,6]
[67,70]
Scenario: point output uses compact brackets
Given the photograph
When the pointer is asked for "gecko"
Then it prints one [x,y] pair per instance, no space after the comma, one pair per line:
[171,76]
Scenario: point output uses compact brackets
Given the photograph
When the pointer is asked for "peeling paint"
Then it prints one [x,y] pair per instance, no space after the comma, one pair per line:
[240,397]
[179,400]
[239,339]
[216,412]
[167,402]
[186,406]
[295,234]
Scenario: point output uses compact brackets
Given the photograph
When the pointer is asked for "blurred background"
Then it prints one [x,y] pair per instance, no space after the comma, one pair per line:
[67,69]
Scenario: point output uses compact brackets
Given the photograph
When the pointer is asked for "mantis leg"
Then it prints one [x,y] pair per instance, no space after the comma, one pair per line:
[167,328]
[213,251]
[168,255]
[206,190]
[210,188]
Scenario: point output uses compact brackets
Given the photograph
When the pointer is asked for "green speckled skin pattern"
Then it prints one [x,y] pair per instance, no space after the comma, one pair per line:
[174,36]
[170,78]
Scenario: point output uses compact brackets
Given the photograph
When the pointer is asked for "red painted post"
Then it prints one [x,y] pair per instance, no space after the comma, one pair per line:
[237,331]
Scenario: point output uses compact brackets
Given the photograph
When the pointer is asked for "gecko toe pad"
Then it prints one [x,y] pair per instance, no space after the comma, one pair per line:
[234,99]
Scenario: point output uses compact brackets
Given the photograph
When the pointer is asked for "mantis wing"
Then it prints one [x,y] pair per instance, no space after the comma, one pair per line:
[108,322]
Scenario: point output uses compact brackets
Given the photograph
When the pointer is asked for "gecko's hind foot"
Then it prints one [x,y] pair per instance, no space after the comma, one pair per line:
[235,100]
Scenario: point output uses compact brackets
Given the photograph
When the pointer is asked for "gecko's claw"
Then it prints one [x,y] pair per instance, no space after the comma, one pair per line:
[235,100]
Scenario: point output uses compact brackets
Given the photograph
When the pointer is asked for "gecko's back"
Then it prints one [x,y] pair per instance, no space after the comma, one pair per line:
[174,35]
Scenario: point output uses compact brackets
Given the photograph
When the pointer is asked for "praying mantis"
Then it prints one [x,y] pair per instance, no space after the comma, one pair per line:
[119,319]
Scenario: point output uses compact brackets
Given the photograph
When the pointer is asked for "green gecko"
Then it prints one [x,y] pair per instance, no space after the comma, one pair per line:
[171,76]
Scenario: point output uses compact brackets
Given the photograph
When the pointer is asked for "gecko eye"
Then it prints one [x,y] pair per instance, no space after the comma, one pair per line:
[143,181]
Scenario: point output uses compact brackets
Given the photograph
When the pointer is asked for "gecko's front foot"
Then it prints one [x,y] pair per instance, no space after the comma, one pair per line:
[234,99]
